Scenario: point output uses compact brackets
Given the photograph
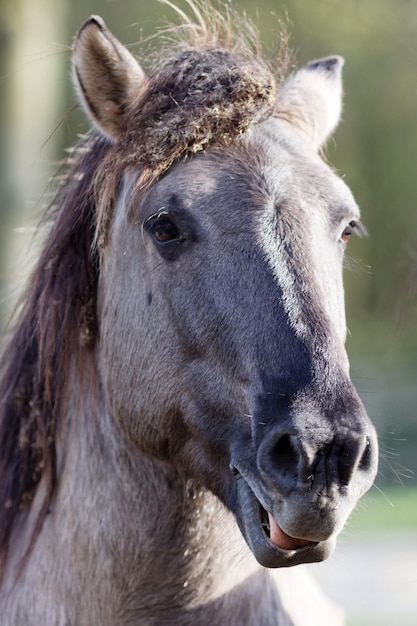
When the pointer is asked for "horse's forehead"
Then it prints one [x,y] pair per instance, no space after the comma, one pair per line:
[270,165]
[270,171]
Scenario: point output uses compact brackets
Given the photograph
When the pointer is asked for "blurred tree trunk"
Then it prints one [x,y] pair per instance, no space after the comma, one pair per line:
[31,86]
[6,192]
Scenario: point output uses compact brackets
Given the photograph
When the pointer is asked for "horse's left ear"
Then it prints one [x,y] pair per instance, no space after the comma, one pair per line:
[311,99]
[107,77]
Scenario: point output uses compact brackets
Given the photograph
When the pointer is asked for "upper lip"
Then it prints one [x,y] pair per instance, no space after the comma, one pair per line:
[278,536]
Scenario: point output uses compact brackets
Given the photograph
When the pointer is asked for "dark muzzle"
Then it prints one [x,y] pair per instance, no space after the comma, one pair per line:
[307,480]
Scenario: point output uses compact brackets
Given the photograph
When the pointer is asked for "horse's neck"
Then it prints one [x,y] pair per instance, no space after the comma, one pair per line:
[128,539]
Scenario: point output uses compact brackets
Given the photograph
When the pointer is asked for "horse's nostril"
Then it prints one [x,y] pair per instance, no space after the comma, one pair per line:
[285,456]
[366,460]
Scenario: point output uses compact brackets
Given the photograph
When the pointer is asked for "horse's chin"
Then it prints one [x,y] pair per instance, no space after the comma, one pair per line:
[270,544]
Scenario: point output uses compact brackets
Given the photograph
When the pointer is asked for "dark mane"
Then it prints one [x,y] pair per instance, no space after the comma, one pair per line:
[56,320]
[208,92]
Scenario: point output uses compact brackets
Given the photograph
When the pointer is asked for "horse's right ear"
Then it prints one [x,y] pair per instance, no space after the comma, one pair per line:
[107,77]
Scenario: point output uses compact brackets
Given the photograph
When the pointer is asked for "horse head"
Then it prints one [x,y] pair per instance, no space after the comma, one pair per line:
[220,297]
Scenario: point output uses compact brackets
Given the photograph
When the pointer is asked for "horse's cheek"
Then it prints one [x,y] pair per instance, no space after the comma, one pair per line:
[140,376]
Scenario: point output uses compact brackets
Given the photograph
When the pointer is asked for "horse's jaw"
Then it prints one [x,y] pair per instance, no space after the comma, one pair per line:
[269,543]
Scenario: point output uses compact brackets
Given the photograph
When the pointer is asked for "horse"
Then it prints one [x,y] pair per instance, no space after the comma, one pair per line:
[178,426]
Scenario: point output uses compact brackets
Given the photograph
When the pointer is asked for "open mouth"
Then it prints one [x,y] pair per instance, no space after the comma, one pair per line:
[270,544]
[279,537]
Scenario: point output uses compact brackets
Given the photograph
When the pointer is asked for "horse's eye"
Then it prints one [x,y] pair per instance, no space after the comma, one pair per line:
[347,233]
[162,228]
[354,225]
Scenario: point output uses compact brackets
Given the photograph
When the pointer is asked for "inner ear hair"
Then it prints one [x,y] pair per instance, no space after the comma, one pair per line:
[107,77]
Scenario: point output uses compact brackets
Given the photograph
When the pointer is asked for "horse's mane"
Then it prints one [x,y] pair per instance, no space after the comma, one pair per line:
[56,316]
[208,90]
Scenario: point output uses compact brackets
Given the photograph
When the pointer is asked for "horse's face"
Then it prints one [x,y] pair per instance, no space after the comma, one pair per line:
[222,331]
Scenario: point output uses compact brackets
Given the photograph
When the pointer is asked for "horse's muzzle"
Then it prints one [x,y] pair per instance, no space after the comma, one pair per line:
[293,503]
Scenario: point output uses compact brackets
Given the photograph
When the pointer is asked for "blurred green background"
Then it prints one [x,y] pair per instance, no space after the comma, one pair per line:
[375,150]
